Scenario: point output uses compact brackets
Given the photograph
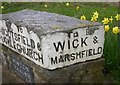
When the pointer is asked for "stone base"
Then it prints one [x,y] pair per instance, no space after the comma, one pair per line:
[87,72]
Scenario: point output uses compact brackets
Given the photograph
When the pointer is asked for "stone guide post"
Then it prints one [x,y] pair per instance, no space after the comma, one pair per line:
[41,47]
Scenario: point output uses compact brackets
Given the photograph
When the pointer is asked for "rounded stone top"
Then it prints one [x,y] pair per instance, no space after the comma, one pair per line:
[44,22]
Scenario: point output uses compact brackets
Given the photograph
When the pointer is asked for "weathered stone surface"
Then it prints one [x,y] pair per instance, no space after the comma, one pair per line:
[52,40]
[44,22]
[77,73]
[10,77]
[96,77]
[38,37]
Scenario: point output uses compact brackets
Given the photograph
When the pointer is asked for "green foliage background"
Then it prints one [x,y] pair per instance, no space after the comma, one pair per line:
[111,55]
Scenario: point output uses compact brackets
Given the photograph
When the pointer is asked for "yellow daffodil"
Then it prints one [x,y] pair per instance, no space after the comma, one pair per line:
[2,7]
[94,19]
[95,14]
[111,19]
[83,17]
[116,30]
[45,6]
[105,21]
[117,17]
[67,4]
[77,7]
[119,30]
[106,28]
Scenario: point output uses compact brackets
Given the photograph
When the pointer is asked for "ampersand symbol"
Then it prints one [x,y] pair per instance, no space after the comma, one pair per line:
[95,40]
